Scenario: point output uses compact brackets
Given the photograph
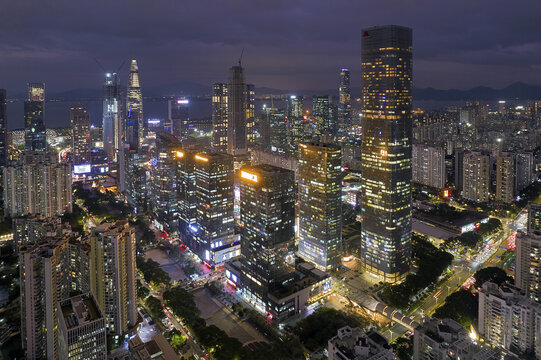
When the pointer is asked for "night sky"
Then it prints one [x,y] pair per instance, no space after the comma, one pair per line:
[288,44]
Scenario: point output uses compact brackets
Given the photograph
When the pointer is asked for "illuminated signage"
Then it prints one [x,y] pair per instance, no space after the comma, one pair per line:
[248,176]
[446,193]
[383,152]
[183,101]
[82,169]
[202,158]
[180,154]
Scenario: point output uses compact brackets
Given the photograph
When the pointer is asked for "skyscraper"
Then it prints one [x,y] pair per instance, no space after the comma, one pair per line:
[386,151]
[323,113]
[528,264]
[320,204]
[219,117]
[3,128]
[505,178]
[112,127]
[34,126]
[112,274]
[476,176]
[240,112]
[428,165]
[80,134]
[267,213]
[179,117]
[344,104]
[134,125]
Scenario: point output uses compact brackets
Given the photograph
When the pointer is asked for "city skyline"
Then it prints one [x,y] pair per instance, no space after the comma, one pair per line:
[461,56]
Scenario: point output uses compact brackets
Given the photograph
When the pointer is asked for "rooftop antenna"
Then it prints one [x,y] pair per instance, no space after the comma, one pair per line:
[240,59]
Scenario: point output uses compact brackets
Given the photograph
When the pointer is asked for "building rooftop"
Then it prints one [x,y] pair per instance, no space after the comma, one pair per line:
[80,310]
[156,349]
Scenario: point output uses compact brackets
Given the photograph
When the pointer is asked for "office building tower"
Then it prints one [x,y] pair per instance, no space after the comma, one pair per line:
[187,196]
[322,111]
[4,144]
[135,131]
[179,117]
[354,344]
[137,181]
[524,170]
[80,134]
[81,329]
[112,271]
[267,214]
[240,113]
[219,117]
[295,106]
[458,164]
[213,235]
[505,178]
[320,204]
[507,319]
[163,198]
[344,104]
[112,124]
[297,120]
[476,176]
[37,184]
[35,137]
[528,264]
[428,165]
[534,217]
[386,151]
[436,339]
[278,137]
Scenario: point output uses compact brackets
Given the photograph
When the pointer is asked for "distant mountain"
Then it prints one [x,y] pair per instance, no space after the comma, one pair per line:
[518,90]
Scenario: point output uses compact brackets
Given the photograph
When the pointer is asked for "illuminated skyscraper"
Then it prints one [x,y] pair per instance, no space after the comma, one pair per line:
[34,126]
[3,128]
[186,190]
[112,127]
[323,113]
[240,113]
[386,151]
[528,264]
[135,127]
[476,176]
[112,274]
[179,117]
[505,178]
[267,211]
[320,204]
[344,104]
[80,134]
[219,117]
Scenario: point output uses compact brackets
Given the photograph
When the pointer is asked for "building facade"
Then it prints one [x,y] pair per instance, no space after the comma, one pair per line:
[528,264]
[344,104]
[428,165]
[112,124]
[354,344]
[134,124]
[179,117]
[476,176]
[505,178]
[320,204]
[4,143]
[219,117]
[386,56]
[80,134]
[35,137]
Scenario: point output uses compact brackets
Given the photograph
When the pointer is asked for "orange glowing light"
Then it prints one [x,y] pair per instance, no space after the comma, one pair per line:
[248,176]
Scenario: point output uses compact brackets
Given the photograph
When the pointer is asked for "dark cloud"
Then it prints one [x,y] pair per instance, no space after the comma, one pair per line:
[293,44]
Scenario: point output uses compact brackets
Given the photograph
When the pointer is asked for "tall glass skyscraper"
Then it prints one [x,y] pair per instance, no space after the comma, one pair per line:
[320,204]
[112,127]
[236,116]
[386,150]
[34,126]
[219,117]
[80,134]
[344,104]
[135,128]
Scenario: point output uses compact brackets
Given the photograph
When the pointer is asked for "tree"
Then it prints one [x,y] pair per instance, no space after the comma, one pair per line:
[152,272]
[461,306]
[154,305]
[492,274]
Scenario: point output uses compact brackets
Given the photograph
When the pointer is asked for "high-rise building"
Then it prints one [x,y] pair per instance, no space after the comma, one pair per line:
[267,214]
[187,196]
[436,339]
[476,176]
[279,135]
[4,144]
[524,170]
[344,104]
[320,204]
[35,137]
[135,131]
[163,199]
[534,217]
[505,178]
[240,113]
[80,136]
[507,319]
[386,56]
[37,184]
[179,117]
[354,344]
[81,329]
[112,124]
[112,274]
[322,111]
[219,117]
[528,264]
[428,165]
[297,120]
[213,236]
[29,230]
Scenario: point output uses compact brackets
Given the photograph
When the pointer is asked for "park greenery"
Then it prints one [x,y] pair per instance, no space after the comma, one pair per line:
[154,306]
[431,263]
[473,238]
[142,291]
[152,272]
[176,338]
[102,204]
[403,347]
[492,274]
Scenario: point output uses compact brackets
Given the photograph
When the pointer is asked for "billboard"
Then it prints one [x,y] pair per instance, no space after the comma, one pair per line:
[82,169]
